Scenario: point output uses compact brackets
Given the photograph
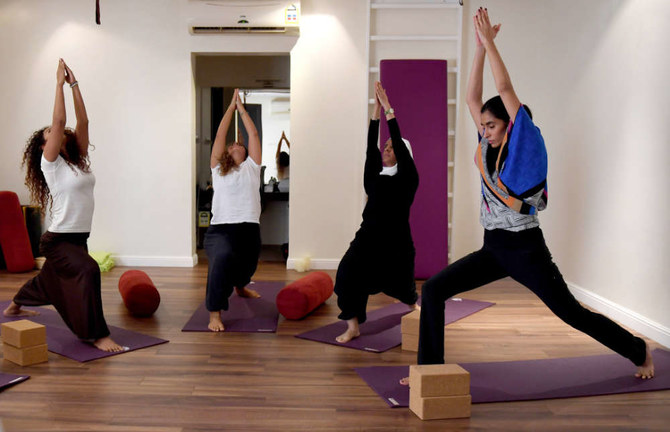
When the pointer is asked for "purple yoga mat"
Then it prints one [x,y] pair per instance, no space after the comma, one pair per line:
[534,379]
[421,110]
[381,331]
[244,314]
[61,340]
[8,380]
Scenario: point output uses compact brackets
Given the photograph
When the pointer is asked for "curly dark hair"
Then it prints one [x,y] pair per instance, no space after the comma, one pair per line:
[32,160]
[227,163]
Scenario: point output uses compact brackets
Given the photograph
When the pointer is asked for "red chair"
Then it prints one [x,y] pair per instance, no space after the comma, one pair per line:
[14,238]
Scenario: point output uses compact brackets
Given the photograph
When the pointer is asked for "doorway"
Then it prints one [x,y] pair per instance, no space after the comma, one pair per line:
[264,83]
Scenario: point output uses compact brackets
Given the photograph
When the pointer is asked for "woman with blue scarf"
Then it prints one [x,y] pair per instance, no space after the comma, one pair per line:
[512,161]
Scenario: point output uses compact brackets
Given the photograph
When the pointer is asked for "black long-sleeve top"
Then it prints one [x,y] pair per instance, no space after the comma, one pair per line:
[386,214]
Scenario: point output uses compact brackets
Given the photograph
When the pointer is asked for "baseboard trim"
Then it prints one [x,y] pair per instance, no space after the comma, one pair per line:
[315,263]
[155,261]
[633,320]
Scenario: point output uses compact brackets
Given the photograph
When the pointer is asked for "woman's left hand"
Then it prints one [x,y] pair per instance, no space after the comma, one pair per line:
[381,95]
[483,27]
[239,105]
[69,76]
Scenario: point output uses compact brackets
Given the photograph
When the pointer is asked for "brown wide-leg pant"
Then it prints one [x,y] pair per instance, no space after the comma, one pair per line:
[70,281]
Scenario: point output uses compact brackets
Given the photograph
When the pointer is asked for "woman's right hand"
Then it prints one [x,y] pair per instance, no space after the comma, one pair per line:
[239,104]
[484,31]
[69,75]
[60,72]
[381,96]
[377,109]
[496,29]
[233,101]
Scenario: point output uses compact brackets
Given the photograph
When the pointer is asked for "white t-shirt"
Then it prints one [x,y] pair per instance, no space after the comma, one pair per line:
[71,190]
[237,196]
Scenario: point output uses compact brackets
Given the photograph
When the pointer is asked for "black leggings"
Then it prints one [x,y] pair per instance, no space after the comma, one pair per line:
[523,256]
[232,251]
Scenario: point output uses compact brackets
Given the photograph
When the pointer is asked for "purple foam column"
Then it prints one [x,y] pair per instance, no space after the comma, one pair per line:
[417,90]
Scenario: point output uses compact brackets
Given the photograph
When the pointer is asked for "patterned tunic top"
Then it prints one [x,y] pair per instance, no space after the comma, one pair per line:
[494,214]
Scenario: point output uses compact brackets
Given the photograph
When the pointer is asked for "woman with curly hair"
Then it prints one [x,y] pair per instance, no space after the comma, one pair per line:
[233,239]
[59,177]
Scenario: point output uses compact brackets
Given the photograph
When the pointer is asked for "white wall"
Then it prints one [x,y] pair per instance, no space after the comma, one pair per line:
[328,129]
[595,78]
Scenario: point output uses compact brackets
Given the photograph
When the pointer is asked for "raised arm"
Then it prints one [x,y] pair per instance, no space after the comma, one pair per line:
[373,158]
[503,82]
[55,136]
[281,140]
[220,141]
[81,130]
[406,166]
[404,160]
[474,92]
[254,148]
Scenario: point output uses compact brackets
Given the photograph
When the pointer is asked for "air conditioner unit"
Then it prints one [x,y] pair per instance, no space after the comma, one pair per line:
[243,16]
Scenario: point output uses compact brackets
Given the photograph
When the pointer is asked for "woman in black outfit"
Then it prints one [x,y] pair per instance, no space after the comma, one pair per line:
[513,242]
[381,256]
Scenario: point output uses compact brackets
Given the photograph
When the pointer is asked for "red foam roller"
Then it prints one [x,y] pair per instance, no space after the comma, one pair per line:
[139,293]
[14,238]
[301,297]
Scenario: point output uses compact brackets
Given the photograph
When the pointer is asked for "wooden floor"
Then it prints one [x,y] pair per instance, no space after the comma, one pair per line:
[275,382]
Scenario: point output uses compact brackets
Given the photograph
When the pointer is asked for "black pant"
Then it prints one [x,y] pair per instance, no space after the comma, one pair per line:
[523,256]
[370,267]
[70,281]
[232,251]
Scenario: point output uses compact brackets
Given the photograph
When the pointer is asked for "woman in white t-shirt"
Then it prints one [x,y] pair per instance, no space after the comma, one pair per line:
[59,176]
[233,238]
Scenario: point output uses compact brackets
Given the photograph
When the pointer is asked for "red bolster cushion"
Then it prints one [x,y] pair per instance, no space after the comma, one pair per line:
[301,297]
[139,293]
[14,238]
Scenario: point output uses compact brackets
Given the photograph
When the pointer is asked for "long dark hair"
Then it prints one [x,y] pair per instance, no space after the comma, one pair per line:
[496,107]
[32,160]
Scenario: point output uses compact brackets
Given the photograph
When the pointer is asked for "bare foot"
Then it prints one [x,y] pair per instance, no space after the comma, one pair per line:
[347,336]
[246,292]
[646,371]
[215,323]
[108,345]
[14,310]
[404,381]
[352,331]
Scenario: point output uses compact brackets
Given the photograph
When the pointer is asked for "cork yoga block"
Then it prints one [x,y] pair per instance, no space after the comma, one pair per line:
[410,342]
[25,356]
[23,333]
[438,380]
[409,324]
[441,407]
